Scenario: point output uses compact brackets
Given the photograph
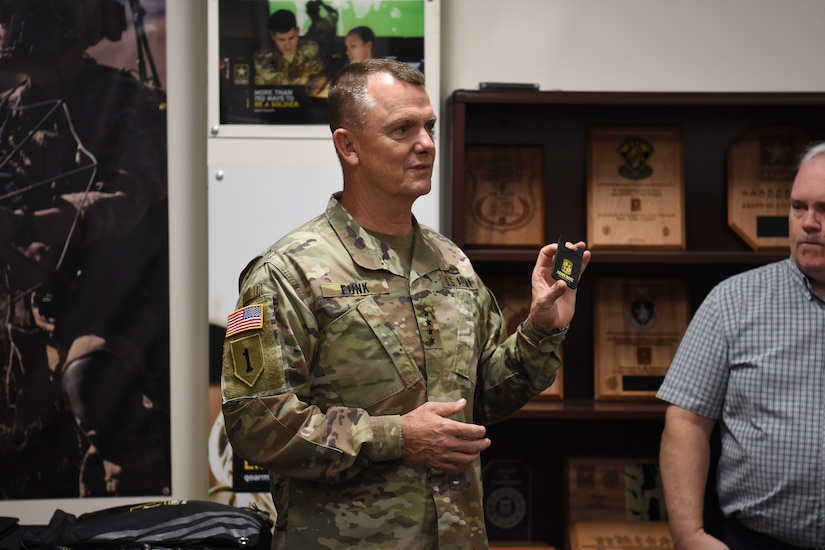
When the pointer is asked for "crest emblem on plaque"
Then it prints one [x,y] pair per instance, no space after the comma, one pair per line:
[641,315]
[636,152]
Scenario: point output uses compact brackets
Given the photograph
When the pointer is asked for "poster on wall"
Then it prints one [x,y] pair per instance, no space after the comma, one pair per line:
[84,351]
[277,58]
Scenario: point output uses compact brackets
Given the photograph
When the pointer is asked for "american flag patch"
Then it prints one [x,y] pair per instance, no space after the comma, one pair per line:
[248,318]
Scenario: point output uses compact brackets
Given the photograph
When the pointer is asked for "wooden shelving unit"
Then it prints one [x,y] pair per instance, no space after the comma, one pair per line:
[545,432]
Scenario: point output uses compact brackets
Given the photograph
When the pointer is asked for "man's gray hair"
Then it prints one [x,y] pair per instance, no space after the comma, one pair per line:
[350,101]
[813,150]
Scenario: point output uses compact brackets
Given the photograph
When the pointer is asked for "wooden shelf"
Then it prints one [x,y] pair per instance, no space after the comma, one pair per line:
[559,123]
[644,257]
[521,545]
[646,99]
[592,410]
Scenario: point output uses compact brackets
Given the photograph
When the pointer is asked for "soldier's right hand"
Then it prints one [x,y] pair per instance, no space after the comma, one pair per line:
[434,441]
[11,221]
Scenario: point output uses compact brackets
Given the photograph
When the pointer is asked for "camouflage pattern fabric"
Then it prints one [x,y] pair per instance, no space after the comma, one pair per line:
[273,69]
[315,394]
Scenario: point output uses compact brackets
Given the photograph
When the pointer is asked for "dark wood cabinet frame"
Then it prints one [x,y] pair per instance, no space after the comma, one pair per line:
[545,432]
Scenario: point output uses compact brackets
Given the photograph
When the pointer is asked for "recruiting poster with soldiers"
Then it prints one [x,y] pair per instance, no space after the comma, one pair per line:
[277,58]
[84,351]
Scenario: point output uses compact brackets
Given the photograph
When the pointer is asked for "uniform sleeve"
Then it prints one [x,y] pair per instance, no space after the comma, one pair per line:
[698,375]
[266,391]
[313,64]
[515,369]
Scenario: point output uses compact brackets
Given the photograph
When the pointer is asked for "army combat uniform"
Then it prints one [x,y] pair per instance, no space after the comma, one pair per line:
[331,343]
[305,68]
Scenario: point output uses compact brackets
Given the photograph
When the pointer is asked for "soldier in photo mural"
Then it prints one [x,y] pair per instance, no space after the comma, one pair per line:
[290,59]
[83,259]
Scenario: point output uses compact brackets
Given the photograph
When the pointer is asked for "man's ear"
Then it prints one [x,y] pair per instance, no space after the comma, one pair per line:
[347,146]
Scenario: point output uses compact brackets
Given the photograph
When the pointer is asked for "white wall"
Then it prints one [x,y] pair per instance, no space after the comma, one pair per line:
[635,45]
[600,45]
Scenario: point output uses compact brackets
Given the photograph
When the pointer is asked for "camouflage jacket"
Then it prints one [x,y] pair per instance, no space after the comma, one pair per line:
[316,376]
[273,69]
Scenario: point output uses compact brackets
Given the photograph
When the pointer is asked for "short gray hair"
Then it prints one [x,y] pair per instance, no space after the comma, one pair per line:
[349,100]
[813,150]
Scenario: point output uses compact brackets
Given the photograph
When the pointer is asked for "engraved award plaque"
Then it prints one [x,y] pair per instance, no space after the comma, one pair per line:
[761,170]
[617,489]
[513,294]
[620,535]
[505,195]
[635,188]
[638,325]
[507,496]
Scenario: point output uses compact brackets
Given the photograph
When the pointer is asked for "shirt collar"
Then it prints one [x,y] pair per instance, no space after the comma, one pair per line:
[799,278]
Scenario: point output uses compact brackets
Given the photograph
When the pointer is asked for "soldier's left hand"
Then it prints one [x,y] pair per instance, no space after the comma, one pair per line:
[553,303]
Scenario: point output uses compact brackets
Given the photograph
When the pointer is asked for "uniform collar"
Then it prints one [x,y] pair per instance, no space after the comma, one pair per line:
[372,253]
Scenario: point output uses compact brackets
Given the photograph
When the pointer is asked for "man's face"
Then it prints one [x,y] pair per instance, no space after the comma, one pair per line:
[286,42]
[396,147]
[806,223]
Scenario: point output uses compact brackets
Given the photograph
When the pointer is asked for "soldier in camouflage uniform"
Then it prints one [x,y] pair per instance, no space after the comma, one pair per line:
[290,60]
[366,355]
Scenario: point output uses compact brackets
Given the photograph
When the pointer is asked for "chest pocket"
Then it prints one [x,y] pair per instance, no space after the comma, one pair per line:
[466,347]
[364,360]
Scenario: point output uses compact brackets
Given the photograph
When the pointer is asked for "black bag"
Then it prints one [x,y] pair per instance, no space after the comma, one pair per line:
[172,524]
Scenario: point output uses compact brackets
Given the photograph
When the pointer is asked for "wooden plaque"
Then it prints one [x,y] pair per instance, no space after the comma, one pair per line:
[635,188]
[513,294]
[761,169]
[638,325]
[614,489]
[507,499]
[620,535]
[504,196]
